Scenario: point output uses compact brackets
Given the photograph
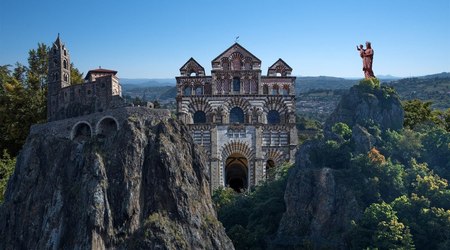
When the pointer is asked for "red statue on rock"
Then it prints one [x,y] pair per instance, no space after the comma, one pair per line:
[367,56]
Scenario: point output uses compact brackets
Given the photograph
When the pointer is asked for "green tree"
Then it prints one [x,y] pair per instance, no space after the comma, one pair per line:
[430,226]
[23,98]
[342,130]
[7,165]
[380,229]
[38,67]
[402,145]
[76,77]
[418,112]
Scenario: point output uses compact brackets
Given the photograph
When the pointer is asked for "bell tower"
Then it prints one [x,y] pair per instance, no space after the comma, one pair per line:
[58,76]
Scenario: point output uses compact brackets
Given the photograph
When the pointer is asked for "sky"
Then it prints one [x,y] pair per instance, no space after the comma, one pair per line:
[153,39]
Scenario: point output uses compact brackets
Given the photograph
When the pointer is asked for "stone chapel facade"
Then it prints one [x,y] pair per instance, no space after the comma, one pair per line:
[100,90]
[245,121]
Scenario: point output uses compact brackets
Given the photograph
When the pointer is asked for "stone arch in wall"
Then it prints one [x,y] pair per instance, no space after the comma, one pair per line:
[241,103]
[275,103]
[273,159]
[199,117]
[237,157]
[237,147]
[225,63]
[81,131]
[236,61]
[107,126]
[199,104]
[273,117]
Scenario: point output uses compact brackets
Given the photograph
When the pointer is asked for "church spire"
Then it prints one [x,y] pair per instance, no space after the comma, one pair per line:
[58,42]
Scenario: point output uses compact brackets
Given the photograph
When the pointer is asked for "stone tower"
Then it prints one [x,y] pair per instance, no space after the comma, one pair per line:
[58,75]
[244,121]
[100,90]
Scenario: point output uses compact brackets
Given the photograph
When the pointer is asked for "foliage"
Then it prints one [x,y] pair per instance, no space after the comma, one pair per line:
[7,165]
[76,77]
[308,129]
[380,229]
[418,112]
[251,219]
[368,85]
[402,183]
[342,130]
[23,98]
[402,145]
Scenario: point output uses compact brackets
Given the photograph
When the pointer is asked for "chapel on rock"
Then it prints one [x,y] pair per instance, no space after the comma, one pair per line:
[100,90]
[244,120]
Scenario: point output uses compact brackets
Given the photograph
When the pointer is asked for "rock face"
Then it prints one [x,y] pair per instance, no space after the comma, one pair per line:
[319,211]
[360,105]
[143,187]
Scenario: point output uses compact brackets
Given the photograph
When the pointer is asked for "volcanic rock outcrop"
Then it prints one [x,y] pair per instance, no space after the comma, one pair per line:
[144,186]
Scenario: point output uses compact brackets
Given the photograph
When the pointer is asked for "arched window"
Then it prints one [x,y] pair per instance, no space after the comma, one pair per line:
[237,64]
[273,117]
[236,84]
[236,115]
[285,90]
[187,91]
[199,117]
[65,64]
[270,170]
[199,90]
[275,90]
[192,73]
[66,77]
[265,90]
[225,64]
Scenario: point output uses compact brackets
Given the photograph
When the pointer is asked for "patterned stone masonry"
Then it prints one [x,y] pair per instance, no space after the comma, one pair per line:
[244,121]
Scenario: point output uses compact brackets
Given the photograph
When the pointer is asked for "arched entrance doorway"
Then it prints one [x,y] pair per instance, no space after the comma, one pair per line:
[236,172]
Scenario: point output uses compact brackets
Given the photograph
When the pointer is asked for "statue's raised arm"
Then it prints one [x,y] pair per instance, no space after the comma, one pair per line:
[367,56]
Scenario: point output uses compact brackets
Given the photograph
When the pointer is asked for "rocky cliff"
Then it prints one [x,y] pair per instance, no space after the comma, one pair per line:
[368,101]
[144,186]
[319,210]
[320,204]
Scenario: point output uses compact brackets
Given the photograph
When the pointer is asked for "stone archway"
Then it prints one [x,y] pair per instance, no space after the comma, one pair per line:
[236,172]
[107,126]
[237,159]
[81,131]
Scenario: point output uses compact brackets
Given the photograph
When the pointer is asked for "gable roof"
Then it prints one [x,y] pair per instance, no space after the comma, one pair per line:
[282,62]
[193,61]
[236,45]
[99,70]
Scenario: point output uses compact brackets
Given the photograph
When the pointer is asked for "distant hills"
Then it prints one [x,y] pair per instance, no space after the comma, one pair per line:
[314,93]
[434,88]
